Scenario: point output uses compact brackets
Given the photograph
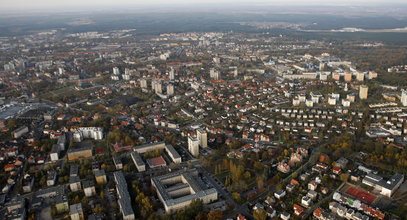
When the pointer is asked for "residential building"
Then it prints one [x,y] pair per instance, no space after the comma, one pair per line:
[193,146]
[363,91]
[76,212]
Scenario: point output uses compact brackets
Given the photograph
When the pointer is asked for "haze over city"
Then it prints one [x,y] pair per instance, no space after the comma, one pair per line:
[203,110]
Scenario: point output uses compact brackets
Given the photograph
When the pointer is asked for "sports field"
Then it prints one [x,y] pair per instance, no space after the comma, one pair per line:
[361,195]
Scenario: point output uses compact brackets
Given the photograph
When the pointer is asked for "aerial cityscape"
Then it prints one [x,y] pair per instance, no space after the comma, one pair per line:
[206,110]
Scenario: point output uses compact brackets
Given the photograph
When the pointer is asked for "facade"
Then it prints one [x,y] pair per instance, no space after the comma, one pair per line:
[363,91]
[20,132]
[51,177]
[193,146]
[54,154]
[100,176]
[175,157]
[76,212]
[89,188]
[170,89]
[117,162]
[202,138]
[214,74]
[157,86]
[360,77]
[178,189]
[116,71]
[143,83]
[75,183]
[348,77]
[404,97]
[88,132]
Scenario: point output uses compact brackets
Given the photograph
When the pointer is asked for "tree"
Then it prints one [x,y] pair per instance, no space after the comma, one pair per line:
[344,177]
[236,196]
[260,214]
[247,175]
[54,211]
[215,215]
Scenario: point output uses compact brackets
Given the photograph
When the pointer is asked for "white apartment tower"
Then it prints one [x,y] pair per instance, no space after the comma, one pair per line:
[214,74]
[157,87]
[202,138]
[143,83]
[363,91]
[193,146]
[170,89]
[116,71]
[404,97]
[172,74]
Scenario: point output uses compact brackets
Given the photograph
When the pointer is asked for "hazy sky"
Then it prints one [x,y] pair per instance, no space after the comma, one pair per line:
[28,4]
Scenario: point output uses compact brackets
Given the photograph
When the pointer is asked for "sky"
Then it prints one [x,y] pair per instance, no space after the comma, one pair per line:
[37,4]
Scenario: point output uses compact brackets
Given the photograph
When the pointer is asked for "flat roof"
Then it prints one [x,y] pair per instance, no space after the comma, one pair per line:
[156,161]
[188,177]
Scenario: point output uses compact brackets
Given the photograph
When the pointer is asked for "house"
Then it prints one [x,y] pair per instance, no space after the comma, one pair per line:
[51,178]
[312,194]
[341,163]
[304,176]
[54,153]
[283,167]
[285,216]
[9,167]
[100,177]
[336,170]
[271,213]
[298,210]
[290,187]
[240,217]
[76,212]
[28,183]
[279,194]
[258,206]
[61,203]
[317,213]
[89,188]
[74,183]
[306,201]
[312,185]
[117,162]
[19,132]
[270,200]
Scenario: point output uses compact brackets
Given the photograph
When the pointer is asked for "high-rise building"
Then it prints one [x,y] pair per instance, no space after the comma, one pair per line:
[170,89]
[336,76]
[360,77]
[203,138]
[172,74]
[348,77]
[143,83]
[214,74]
[193,146]
[61,71]
[404,97]
[116,71]
[157,87]
[363,90]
